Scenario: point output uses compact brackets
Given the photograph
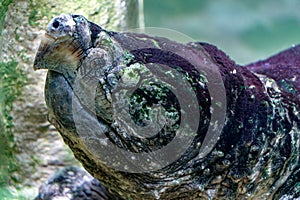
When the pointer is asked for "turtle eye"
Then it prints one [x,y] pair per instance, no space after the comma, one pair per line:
[55,24]
[60,26]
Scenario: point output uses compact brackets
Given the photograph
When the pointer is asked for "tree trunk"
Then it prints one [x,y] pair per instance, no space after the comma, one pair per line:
[36,147]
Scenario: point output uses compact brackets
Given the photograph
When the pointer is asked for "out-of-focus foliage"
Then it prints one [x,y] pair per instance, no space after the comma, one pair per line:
[246,30]
[3,8]
[12,80]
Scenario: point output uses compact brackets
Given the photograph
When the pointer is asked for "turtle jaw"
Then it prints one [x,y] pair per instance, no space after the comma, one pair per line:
[58,55]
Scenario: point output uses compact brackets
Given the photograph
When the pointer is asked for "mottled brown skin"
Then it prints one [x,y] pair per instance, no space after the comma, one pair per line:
[256,155]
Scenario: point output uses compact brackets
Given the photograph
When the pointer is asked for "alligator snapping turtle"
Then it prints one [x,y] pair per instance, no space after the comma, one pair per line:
[155,119]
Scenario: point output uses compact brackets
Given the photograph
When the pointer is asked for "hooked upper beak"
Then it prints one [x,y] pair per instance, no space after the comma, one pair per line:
[39,62]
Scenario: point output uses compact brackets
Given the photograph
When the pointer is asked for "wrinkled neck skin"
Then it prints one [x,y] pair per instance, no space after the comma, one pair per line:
[257,153]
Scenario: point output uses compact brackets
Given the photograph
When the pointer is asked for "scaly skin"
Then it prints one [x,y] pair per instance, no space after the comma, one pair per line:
[256,155]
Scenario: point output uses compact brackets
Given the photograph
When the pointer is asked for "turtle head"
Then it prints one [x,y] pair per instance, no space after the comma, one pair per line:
[65,43]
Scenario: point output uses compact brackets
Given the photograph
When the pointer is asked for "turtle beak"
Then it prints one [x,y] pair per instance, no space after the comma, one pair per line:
[45,44]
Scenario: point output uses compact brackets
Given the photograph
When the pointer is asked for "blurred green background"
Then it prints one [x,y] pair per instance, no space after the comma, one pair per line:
[246,30]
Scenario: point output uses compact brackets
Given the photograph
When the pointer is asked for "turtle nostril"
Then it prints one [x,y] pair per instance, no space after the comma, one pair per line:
[55,24]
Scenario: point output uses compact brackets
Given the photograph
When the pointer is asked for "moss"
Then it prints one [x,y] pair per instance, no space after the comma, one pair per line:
[12,80]
[37,12]
[32,19]
[6,193]
[102,12]
[3,9]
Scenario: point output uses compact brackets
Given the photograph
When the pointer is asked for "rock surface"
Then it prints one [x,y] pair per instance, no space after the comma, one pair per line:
[40,149]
